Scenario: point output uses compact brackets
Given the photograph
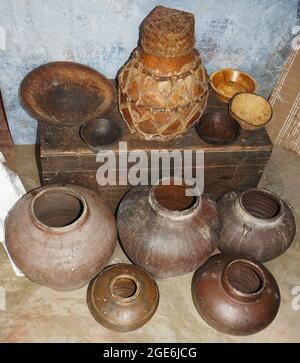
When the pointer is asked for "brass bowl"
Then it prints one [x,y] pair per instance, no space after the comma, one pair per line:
[227,82]
[100,133]
[217,128]
[250,110]
[66,93]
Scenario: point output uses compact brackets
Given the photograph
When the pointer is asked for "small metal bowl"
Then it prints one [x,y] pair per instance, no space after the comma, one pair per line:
[227,82]
[100,133]
[217,128]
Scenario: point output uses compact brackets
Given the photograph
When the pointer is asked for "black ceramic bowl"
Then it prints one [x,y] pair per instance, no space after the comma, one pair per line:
[217,128]
[100,133]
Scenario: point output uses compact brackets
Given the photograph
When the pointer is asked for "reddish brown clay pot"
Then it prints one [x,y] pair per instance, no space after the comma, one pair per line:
[61,236]
[256,223]
[123,297]
[166,232]
[235,294]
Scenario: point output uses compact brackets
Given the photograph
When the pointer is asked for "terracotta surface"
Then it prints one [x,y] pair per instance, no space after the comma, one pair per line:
[255,222]
[123,297]
[61,236]
[235,294]
[36,313]
[154,221]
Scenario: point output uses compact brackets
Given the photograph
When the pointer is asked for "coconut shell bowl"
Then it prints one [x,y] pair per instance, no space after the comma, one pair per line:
[66,93]
[227,82]
[250,110]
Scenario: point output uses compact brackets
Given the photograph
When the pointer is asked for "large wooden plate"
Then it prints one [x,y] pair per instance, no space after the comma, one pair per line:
[66,93]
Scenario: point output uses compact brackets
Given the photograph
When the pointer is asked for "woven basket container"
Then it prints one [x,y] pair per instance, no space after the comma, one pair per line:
[163,87]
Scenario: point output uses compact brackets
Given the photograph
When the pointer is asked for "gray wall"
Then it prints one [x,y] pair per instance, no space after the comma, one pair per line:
[253,35]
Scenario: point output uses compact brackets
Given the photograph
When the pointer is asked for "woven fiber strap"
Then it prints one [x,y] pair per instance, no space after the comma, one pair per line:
[168,33]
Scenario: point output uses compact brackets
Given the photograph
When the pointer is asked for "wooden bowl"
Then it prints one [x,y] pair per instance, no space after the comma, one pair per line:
[66,93]
[100,133]
[217,128]
[250,110]
[227,82]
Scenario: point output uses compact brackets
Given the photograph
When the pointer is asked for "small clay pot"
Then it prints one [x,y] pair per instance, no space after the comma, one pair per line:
[256,223]
[61,236]
[166,232]
[217,128]
[123,297]
[235,294]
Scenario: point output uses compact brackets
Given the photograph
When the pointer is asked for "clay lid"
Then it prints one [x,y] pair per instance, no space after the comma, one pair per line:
[168,33]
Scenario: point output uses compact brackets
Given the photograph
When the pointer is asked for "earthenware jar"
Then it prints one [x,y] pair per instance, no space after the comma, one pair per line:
[61,236]
[166,232]
[163,87]
[255,222]
[123,297]
[235,294]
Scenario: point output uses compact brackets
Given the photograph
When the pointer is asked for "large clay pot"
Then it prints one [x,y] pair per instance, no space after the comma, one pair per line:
[123,297]
[235,294]
[256,223]
[166,232]
[61,236]
[163,87]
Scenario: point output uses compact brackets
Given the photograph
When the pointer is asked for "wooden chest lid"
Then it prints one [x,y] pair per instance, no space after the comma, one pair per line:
[168,33]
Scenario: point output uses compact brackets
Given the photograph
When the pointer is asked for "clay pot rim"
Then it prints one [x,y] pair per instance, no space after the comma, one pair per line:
[121,299]
[240,295]
[66,190]
[266,192]
[169,213]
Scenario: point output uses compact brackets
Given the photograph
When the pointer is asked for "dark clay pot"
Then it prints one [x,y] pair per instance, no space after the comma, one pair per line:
[166,232]
[235,294]
[61,236]
[256,223]
[123,297]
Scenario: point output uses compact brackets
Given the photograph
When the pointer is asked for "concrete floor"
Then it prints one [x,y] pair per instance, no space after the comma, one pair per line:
[37,314]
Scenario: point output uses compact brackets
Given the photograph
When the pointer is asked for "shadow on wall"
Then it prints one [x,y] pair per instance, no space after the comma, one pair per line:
[254,36]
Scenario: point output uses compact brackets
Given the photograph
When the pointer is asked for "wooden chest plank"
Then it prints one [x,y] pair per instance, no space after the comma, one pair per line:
[65,158]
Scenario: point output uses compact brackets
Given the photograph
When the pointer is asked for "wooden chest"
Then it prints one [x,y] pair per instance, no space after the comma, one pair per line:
[64,158]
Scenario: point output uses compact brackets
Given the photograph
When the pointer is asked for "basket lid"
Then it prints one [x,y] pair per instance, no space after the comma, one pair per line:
[168,33]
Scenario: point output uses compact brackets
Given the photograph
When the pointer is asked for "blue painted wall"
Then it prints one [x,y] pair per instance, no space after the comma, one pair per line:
[253,35]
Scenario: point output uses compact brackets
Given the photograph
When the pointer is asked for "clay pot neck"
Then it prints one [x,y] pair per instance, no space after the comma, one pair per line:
[243,280]
[260,206]
[124,288]
[58,209]
[171,202]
